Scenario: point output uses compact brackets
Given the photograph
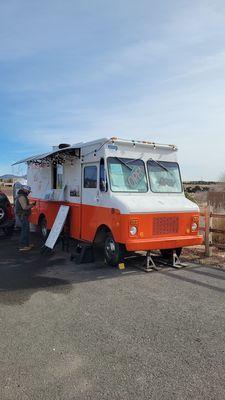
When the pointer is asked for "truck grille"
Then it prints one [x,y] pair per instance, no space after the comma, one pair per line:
[165,225]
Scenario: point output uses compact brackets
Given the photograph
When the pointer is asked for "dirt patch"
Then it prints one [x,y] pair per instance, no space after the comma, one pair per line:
[197,254]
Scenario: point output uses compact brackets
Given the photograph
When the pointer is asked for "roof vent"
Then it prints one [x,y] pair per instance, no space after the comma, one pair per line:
[63,145]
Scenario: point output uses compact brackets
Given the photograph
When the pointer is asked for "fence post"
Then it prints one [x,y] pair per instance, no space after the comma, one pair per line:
[208,233]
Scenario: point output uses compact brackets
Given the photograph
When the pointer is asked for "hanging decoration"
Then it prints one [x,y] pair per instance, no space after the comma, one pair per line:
[54,159]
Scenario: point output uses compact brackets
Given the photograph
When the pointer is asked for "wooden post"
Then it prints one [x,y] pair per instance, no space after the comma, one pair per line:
[208,233]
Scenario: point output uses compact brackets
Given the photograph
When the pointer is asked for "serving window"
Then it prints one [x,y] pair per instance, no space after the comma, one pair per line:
[57,176]
[90,177]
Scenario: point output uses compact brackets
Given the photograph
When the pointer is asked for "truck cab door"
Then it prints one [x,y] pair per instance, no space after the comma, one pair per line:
[90,200]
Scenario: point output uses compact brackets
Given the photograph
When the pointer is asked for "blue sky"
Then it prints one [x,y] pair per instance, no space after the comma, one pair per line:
[78,70]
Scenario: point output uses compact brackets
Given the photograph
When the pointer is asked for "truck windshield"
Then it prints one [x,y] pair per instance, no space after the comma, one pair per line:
[127,175]
[164,176]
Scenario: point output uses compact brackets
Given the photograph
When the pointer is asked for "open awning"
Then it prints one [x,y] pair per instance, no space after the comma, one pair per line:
[72,150]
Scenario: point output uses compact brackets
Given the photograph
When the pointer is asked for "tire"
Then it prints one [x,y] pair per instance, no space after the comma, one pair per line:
[113,251]
[43,228]
[168,253]
[3,214]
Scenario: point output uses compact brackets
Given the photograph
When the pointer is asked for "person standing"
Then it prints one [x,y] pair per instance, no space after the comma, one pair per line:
[23,211]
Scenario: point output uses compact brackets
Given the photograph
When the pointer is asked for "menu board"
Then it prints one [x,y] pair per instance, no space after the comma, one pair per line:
[57,226]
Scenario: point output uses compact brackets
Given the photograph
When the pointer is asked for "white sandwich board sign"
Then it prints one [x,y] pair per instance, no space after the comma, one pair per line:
[57,226]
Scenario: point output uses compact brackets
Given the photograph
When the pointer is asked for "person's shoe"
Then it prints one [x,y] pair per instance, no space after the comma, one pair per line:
[26,248]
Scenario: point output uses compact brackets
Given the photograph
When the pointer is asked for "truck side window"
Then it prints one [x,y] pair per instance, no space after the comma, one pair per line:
[90,177]
[103,185]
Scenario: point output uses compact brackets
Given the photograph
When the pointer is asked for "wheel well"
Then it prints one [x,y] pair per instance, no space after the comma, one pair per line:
[41,216]
[101,234]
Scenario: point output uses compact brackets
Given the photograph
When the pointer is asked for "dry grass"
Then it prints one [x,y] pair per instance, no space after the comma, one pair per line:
[200,198]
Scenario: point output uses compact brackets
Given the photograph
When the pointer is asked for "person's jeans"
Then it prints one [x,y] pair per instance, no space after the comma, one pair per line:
[25,232]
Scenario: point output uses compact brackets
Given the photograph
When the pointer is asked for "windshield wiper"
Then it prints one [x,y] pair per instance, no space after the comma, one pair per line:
[123,162]
[161,165]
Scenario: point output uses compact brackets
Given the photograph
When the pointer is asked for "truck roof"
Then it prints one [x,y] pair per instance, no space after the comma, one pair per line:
[101,142]
[120,140]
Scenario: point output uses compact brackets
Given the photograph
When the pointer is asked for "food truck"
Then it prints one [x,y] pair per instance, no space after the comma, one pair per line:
[123,195]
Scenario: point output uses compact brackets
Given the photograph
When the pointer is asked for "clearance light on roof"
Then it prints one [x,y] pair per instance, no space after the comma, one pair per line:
[113,139]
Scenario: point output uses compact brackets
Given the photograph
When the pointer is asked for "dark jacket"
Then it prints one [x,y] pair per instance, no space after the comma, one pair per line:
[18,207]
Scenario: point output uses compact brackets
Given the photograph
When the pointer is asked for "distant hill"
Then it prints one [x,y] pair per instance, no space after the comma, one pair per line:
[11,176]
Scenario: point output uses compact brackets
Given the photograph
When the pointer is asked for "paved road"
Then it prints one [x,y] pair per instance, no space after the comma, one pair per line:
[72,332]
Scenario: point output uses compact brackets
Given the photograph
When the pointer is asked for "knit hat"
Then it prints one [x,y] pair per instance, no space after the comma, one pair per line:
[26,187]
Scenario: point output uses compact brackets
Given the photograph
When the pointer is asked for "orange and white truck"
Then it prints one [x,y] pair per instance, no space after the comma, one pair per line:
[125,195]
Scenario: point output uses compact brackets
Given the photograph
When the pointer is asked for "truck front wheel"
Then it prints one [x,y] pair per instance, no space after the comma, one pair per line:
[113,251]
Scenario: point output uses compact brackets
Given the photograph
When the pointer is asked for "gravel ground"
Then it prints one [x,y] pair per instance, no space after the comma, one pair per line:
[70,332]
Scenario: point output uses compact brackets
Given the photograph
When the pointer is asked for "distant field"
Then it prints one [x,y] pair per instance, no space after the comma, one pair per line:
[198,191]
[192,187]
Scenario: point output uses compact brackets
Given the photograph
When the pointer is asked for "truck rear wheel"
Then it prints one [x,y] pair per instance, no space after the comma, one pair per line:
[43,227]
[113,251]
[168,253]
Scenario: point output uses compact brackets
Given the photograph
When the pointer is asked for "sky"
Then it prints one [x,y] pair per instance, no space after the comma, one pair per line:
[73,70]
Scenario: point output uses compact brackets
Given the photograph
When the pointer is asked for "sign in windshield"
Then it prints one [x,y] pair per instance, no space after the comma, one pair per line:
[164,176]
[127,175]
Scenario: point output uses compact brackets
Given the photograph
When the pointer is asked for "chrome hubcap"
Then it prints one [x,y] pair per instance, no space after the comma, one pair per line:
[110,247]
[44,229]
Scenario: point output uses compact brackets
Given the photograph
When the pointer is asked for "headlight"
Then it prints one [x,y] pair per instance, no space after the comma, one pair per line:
[194,227]
[133,230]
